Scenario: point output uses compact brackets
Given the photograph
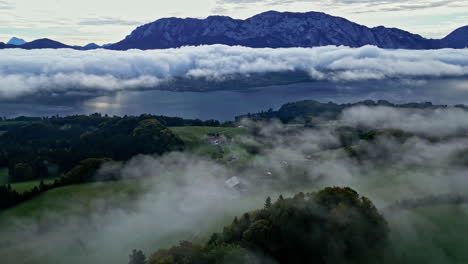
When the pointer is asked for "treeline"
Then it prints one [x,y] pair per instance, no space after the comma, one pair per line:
[35,148]
[10,197]
[302,110]
[84,172]
[335,225]
[97,118]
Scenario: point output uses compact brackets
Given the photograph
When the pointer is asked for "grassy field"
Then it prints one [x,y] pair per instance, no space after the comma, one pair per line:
[4,178]
[20,186]
[83,207]
[55,209]
[82,194]
[197,136]
[197,141]
[29,185]
[436,234]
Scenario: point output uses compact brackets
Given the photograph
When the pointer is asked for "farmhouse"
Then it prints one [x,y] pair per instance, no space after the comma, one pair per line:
[216,140]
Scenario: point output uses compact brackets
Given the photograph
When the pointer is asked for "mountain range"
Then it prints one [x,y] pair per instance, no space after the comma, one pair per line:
[270,29]
[44,44]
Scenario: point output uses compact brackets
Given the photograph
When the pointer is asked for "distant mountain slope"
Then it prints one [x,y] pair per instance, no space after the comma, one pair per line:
[457,39]
[44,44]
[47,44]
[89,46]
[16,41]
[272,29]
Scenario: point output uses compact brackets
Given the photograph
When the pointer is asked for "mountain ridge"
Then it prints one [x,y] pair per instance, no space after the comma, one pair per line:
[274,29]
[270,29]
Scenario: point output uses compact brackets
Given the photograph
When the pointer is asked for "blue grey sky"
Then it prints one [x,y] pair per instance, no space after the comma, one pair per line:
[107,21]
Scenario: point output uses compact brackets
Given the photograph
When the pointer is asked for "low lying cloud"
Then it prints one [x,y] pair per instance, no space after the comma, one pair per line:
[61,71]
[433,122]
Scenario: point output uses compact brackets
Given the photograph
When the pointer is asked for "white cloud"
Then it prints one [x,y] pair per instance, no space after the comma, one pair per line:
[40,71]
[108,21]
[434,122]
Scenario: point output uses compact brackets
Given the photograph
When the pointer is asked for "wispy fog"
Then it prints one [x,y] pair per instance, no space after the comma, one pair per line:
[26,72]
[438,122]
[183,196]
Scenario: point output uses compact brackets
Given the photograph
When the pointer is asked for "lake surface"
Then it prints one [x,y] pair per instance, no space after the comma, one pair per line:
[225,105]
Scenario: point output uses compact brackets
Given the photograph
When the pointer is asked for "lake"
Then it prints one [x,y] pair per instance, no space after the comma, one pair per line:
[225,105]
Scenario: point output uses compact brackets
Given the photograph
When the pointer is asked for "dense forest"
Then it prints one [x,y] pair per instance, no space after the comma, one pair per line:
[35,148]
[71,149]
[334,225]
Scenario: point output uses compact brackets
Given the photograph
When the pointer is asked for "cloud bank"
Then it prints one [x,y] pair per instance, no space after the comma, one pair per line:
[101,71]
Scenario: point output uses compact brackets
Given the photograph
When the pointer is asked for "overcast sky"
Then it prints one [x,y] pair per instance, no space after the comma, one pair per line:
[107,21]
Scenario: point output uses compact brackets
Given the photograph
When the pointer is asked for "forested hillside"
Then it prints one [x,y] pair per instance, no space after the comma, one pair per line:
[335,225]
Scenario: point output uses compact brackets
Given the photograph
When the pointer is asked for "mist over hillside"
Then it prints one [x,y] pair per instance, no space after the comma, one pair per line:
[176,192]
